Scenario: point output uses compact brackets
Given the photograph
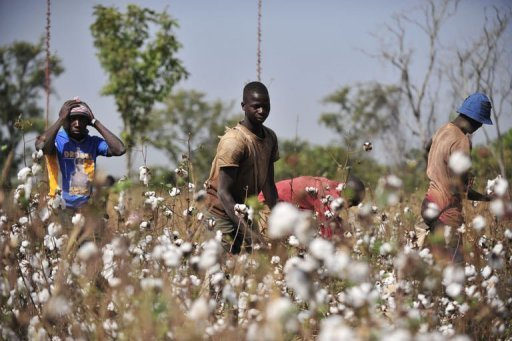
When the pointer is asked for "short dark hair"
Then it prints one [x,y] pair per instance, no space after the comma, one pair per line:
[254,86]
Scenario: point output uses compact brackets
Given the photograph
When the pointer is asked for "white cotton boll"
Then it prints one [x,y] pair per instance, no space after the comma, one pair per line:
[453,290]
[279,308]
[23,220]
[24,173]
[57,202]
[486,272]
[394,181]
[338,263]
[508,234]
[337,204]
[311,190]
[497,208]
[151,283]
[58,306]
[174,192]
[501,187]
[293,241]
[199,310]
[432,211]
[359,272]
[144,175]
[299,281]
[282,220]
[181,172]
[321,249]
[37,155]
[479,223]
[459,162]
[172,256]
[303,229]
[87,251]
[385,249]
[36,169]
[78,220]
[334,328]
[145,225]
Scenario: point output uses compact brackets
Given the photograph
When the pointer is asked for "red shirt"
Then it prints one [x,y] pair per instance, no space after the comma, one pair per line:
[313,194]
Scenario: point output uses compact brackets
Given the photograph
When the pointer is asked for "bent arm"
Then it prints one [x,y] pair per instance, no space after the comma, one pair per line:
[46,141]
[269,188]
[115,145]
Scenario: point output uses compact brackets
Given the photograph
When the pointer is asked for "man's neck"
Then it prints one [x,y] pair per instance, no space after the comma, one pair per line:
[255,129]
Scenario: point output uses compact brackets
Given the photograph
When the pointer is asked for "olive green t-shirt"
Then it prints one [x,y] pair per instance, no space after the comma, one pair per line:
[252,155]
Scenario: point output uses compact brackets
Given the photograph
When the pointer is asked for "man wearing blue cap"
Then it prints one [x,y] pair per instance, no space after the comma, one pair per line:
[449,178]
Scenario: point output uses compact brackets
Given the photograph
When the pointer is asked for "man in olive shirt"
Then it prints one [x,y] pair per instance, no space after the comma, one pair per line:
[243,166]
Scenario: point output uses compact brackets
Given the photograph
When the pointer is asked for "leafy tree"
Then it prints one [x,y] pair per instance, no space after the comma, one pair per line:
[189,126]
[138,51]
[300,158]
[22,80]
[365,112]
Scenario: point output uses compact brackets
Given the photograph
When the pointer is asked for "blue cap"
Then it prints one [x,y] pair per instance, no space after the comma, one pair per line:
[478,107]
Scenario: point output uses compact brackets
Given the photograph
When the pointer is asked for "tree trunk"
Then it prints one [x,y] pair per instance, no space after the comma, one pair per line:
[5,181]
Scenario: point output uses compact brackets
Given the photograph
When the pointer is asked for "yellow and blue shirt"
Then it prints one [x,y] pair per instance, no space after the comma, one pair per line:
[77,162]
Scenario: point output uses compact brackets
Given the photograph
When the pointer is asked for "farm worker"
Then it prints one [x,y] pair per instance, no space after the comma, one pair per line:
[447,170]
[243,166]
[320,195]
[74,151]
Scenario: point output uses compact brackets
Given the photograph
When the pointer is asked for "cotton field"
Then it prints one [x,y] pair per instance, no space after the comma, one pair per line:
[155,269]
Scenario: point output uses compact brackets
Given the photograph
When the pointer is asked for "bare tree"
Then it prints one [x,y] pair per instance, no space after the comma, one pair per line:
[420,93]
[485,65]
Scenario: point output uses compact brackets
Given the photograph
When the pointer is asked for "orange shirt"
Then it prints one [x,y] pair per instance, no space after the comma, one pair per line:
[448,139]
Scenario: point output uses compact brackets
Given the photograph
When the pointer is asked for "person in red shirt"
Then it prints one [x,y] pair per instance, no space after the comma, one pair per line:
[321,195]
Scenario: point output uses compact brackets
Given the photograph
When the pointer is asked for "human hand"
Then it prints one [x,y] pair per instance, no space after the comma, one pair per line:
[66,108]
[91,115]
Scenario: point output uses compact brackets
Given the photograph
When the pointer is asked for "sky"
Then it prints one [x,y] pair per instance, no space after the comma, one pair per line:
[310,48]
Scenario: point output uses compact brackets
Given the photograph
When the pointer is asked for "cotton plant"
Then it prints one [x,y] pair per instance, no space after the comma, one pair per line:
[144,175]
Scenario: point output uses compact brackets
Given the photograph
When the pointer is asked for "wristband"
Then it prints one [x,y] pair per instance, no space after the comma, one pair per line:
[93,121]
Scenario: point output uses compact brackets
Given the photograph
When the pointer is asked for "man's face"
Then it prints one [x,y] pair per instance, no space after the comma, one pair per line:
[256,106]
[77,126]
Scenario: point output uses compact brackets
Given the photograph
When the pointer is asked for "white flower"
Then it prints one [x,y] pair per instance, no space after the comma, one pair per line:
[24,173]
[479,223]
[282,220]
[459,162]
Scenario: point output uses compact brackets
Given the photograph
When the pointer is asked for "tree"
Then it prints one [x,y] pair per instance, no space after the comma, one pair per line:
[300,158]
[485,65]
[189,125]
[420,93]
[366,112]
[138,51]
[22,80]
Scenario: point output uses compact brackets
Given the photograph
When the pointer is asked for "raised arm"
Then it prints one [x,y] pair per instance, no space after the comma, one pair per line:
[115,145]
[46,141]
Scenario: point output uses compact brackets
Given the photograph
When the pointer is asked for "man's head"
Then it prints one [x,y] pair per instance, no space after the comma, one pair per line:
[354,191]
[476,110]
[256,102]
[77,121]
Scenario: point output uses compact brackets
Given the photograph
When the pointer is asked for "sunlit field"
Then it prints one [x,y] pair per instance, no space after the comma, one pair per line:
[153,268]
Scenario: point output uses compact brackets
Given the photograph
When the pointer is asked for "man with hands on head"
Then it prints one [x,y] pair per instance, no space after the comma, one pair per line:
[76,150]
